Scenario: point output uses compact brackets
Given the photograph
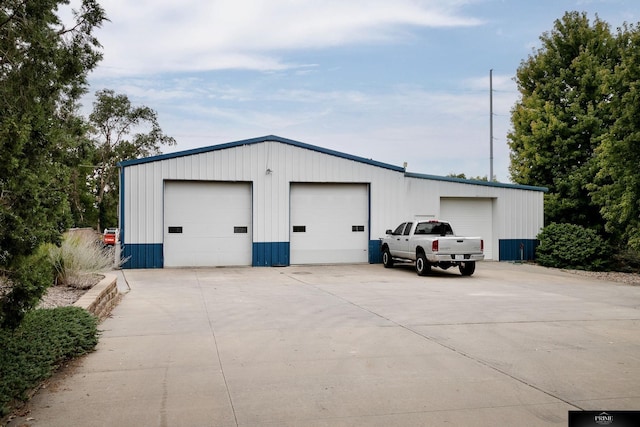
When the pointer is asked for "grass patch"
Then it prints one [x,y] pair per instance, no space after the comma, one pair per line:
[43,341]
[78,258]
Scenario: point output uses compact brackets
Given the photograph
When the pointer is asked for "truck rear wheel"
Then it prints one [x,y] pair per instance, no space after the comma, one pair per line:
[387,259]
[467,268]
[422,265]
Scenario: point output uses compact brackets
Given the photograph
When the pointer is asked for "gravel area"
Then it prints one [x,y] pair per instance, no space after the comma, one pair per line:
[61,296]
[610,276]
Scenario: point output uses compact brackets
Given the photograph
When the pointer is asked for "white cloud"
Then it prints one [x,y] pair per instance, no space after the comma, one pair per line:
[152,36]
[437,132]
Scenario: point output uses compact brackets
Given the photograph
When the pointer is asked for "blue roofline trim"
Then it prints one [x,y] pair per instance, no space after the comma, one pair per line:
[299,144]
[476,182]
[256,141]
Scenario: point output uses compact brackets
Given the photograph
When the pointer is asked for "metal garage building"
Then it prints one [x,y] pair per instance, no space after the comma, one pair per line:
[273,201]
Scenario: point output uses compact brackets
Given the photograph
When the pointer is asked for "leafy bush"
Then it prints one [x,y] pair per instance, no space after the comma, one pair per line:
[79,255]
[43,341]
[627,260]
[571,246]
[25,287]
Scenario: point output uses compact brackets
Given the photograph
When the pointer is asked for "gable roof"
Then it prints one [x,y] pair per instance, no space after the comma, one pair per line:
[257,141]
[323,151]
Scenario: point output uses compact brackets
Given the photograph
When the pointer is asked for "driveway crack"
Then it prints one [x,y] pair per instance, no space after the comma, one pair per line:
[448,347]
[215,341]
[491,366]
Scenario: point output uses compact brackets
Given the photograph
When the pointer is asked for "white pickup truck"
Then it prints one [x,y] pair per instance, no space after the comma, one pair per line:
[431,243]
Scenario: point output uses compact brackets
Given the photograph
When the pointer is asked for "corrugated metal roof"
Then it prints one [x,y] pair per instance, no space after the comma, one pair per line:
[475,182]
[257,141]
[324,151]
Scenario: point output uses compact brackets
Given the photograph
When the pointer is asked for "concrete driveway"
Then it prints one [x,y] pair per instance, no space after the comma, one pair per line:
[355,345]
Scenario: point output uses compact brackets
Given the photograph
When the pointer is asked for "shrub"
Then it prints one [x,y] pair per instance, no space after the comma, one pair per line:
[627,260]
[571,246]
[42,342]
[26,285]
[79,255]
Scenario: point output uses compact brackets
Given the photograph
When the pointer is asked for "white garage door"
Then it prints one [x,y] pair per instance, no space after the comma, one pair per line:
[470,217]
[329,223]
[207,224]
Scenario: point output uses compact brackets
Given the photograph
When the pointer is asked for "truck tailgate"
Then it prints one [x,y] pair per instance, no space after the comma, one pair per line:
[459,245]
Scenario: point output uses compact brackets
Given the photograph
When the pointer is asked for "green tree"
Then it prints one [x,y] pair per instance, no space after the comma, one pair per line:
[476,178]
[81,199]
[78,160]
[457,175]
[558,122]
[43,69]
[119,132]
[617,184]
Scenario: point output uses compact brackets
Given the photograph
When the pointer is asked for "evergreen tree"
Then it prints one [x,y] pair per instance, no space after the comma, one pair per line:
[43,69]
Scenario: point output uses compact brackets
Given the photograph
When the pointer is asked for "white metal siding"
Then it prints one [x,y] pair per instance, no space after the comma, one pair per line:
[207,214]
[328,213]
[271,167]
[143,186]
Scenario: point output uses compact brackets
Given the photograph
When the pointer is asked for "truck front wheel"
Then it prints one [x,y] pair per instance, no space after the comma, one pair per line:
[387,259]
[422,265]
[467,268]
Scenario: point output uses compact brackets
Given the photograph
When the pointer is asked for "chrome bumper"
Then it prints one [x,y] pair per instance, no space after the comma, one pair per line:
[454,258]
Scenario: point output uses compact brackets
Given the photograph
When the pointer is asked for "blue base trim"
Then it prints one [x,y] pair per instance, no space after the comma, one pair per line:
[375,256]
[142,255]
[271,254]
[518,249]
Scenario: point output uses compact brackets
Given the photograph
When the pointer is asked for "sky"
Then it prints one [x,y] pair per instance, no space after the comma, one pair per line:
[393,81]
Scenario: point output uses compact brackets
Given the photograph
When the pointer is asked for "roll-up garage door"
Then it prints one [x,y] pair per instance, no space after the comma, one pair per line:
[329,223]
[207,224]
[470,217]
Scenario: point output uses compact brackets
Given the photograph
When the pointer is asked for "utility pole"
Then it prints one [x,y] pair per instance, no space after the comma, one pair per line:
[490,125]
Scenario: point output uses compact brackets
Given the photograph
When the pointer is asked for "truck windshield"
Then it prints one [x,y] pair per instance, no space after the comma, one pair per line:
[398,231]
[439,228]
